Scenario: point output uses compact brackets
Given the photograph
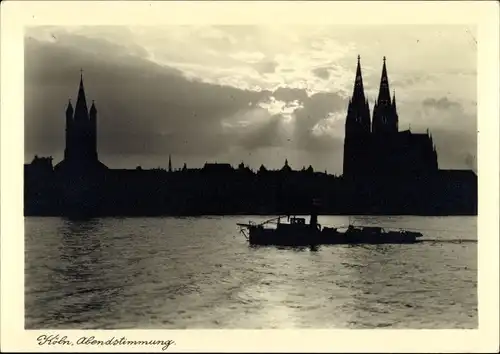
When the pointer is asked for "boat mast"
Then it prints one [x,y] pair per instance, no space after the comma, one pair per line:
[314,213]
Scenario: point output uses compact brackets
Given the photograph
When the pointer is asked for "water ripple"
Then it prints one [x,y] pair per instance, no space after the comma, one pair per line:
[194,273]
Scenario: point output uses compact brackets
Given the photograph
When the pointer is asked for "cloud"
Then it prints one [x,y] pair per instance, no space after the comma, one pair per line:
[148,109]
[322,73]
[441,103]
[453,128]
[271,133]
[143,107]
[290,94]
[266,66]
[263,93]
[248,57]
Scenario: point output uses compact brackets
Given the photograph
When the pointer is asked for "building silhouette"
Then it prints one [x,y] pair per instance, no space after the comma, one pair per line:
[375,148]
[80,153]
[401,167]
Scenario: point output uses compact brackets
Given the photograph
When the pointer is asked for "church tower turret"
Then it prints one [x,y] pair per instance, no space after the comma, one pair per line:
[80,153]
[81,127]
[357,128]
[81,111]
[384,115]
[93,131]
[358,111]
[395,111]
[69,130]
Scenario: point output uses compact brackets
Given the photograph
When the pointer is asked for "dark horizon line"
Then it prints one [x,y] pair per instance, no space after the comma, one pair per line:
[235,168]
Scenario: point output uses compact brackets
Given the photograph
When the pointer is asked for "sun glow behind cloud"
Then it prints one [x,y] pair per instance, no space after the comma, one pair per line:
[278,107]
[329,125]
[251,59]
[291,84]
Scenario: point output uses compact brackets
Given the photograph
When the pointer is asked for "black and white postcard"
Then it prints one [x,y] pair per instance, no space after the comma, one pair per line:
[250,176]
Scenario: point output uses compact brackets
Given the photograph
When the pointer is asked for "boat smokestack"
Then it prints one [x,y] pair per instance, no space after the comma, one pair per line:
[314,213]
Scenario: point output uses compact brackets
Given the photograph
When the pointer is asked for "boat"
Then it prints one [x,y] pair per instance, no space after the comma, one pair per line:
[296,232]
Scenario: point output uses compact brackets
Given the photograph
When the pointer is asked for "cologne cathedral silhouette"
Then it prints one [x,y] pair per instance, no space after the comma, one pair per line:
[385,171]
[376,148]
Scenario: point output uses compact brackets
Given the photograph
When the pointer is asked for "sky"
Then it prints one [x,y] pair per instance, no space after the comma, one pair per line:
[257,94]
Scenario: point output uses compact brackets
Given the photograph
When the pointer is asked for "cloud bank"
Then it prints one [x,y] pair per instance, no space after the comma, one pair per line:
[240,93]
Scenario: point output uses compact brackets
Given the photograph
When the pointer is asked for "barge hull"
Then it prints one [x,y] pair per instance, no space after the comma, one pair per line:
[262,236]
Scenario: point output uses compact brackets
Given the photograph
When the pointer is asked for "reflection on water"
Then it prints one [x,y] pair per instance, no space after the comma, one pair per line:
[75,273]
[198,273]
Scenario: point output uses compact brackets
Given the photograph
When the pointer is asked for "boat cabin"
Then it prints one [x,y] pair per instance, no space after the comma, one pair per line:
[298,221]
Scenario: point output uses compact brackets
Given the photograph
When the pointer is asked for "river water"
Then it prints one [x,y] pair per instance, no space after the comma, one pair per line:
[194,273]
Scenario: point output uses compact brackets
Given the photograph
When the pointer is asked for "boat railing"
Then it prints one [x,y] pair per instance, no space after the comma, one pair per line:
[274,220]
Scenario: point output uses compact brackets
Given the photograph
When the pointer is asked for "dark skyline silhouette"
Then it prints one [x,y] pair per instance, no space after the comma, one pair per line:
[388,172]
[376,147]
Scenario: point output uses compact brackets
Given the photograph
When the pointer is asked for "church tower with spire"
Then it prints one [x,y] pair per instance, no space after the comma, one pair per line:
[379,150]
[80,152]
[357,128]
[385,117]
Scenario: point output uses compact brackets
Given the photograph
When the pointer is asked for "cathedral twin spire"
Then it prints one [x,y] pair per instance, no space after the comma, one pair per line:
[359,92]
[385,118]
[384,95]
[374,146]
[358,116]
